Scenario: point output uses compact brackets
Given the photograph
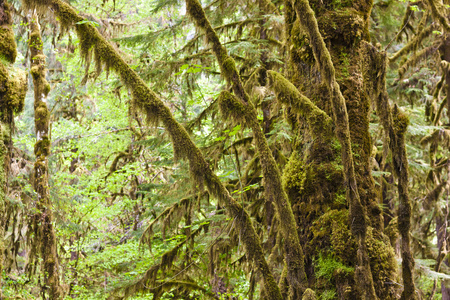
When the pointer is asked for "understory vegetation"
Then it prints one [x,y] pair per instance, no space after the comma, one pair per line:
[263,149]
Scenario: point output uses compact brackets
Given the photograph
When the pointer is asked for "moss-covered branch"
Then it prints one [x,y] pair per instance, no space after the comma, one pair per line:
[319,122]
[416,58]
[394,123]
[146,101]
[239,107]
[47,238]
[306,16]
[414,42]
[436,9]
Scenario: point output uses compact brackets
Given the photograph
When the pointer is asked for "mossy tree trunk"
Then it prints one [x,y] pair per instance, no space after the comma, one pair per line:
[342,25]
[395,124]
[47,238]
[146,101]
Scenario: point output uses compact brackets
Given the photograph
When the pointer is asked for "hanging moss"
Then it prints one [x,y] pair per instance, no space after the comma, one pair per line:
[273,189]
[414,42]
[436,9]
[319,122]
[230,106]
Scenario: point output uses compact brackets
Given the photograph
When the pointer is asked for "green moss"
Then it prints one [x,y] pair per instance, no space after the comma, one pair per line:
[319,122]
[309,294]
[229,68]
[382,263]
[391,231]
[331,232]
[328,267]
[230,106]
[42,147]
[16,89]
[35,72]
[294,175]
[8,47]
[342,27]
[41,113]
[401,121]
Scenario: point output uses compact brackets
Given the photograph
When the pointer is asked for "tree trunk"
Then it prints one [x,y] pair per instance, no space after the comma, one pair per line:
[42,150]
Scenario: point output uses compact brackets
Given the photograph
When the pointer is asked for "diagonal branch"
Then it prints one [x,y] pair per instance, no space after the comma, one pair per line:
[241,109]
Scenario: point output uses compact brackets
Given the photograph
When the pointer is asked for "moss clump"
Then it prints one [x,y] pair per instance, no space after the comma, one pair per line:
[309,294]
[391,231]
[342,27]
[382,263]
[8,47]
[13,82]
[42,147]
[15,91]
[42,115]
[319,122]
[400,120]
[331,232]
[230,106]
[294,176]
[328,267]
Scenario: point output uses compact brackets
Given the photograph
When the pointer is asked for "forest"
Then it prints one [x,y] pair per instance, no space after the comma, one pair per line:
[225,149]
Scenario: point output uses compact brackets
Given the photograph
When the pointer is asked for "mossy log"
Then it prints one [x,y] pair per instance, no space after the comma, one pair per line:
[146,101]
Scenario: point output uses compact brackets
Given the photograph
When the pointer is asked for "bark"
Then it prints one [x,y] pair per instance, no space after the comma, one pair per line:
[242,110]
[146,101]
[42,150]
